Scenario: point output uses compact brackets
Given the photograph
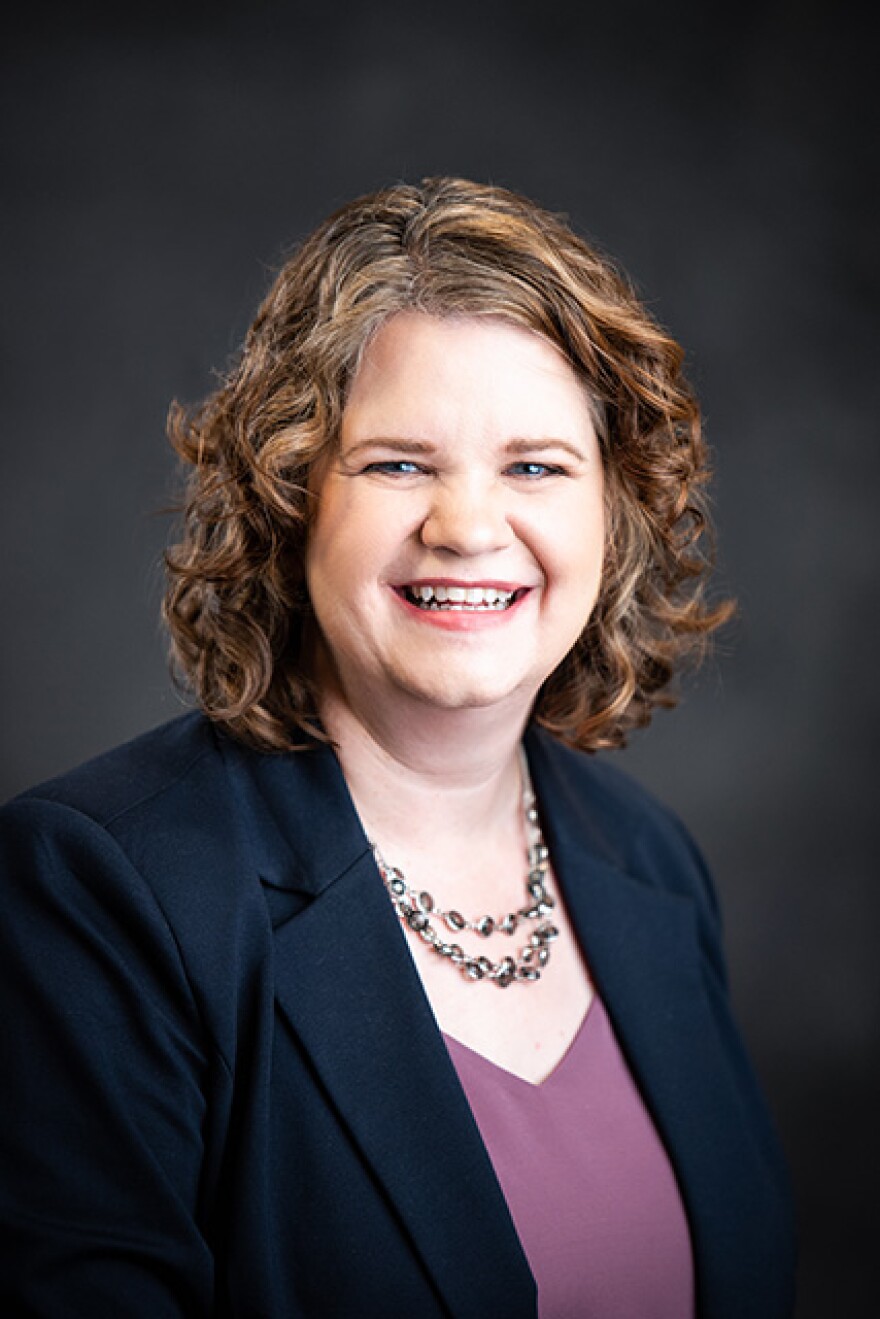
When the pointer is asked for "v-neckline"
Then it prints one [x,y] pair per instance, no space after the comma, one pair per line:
[552,1075]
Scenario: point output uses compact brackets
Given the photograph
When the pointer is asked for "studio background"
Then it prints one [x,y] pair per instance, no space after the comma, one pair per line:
[155,167]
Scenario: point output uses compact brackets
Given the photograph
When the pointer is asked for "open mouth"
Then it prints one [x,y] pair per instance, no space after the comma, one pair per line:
[473,599]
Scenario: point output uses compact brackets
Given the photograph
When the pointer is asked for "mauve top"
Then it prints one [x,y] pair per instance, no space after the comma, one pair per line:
[587,1181]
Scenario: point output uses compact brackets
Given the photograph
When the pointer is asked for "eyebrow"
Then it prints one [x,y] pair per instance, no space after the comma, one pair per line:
[541,446]
[399,445]
[425,447]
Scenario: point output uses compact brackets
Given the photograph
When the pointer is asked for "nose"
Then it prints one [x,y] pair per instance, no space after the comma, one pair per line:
[467,517]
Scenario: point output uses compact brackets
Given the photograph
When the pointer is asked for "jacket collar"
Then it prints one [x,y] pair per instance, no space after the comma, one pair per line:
[348,985]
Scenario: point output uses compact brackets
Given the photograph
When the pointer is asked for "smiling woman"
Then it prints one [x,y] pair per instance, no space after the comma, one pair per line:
[458,252]
[441,543]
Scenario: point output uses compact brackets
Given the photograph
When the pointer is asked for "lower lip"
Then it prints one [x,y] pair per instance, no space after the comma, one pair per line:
[462,620]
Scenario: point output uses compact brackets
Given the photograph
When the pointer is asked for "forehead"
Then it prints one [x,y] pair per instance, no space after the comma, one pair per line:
[429,377]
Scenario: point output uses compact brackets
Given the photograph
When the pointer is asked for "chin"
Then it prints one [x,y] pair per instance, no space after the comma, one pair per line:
[464,695]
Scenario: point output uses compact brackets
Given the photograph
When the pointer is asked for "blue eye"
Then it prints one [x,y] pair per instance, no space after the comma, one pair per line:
[395,467]
[534,470]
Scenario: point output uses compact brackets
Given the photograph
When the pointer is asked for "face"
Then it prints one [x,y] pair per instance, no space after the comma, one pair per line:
[457,546]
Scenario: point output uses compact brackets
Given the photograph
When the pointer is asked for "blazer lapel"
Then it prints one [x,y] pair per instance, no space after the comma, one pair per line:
[347,984]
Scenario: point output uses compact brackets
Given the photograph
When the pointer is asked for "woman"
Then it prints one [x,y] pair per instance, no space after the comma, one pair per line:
[441,540]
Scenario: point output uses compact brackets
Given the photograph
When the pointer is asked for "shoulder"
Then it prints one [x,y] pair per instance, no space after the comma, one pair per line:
[616,811]
[159,809]
[121,780]
[124,813]
[164,793]
[619,821]
[141,851]
[73,886]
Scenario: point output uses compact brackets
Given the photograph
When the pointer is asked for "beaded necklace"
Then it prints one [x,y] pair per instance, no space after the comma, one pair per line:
[419,911]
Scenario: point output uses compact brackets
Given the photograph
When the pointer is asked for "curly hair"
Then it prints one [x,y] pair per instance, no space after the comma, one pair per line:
[236,603]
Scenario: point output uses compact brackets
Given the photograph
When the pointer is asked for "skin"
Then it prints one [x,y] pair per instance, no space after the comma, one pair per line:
[467,457]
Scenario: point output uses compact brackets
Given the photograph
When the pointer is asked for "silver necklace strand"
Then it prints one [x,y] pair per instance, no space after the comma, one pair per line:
[418,910]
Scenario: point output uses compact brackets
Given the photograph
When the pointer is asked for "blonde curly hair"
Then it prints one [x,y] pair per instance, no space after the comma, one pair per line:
[236,603]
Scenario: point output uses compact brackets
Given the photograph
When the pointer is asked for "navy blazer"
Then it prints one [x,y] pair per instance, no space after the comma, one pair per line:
[223,1089]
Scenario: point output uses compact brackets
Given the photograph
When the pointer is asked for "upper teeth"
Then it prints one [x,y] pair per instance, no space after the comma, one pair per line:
[462,595]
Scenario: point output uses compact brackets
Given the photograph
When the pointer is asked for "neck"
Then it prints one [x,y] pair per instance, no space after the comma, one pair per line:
[414,773]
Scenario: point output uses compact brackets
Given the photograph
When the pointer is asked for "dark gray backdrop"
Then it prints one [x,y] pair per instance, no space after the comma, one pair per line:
[154,167]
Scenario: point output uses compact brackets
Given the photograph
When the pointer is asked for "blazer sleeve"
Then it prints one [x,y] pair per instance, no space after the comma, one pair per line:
[105,1067]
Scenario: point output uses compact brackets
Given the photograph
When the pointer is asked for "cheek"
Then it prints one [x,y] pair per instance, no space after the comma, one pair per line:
[346,555]
[331,533]
[576,539]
